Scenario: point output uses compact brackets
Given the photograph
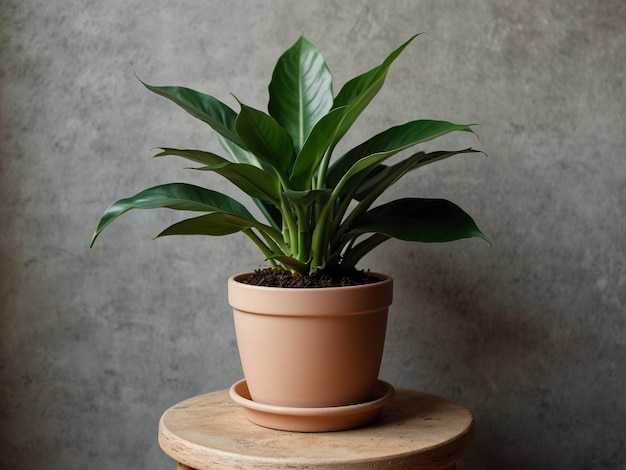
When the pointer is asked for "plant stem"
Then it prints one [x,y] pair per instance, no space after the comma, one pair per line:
[362,206]
[304,234]
[290,227]
[354,253]
[319,241]
[323,169]
[262,246]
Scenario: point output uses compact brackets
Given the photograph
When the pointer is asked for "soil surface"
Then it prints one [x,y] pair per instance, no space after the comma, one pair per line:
[269,277]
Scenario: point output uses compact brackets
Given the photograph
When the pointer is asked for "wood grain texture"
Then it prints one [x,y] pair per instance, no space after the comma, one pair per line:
[415,431]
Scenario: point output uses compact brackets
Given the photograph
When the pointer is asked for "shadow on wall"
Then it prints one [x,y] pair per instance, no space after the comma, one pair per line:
[470,347]
[525,375]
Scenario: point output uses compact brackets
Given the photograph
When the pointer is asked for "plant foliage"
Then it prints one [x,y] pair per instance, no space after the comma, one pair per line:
[318,211]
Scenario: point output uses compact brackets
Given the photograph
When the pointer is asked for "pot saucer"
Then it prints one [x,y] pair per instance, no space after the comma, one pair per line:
[336,418]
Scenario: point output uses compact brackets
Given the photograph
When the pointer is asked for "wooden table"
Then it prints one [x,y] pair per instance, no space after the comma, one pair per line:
[415,431]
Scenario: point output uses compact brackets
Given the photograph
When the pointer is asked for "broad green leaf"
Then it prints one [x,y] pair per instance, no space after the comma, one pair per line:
[348,105]
[382,176]
[180,196]
[359,92]
[365,163]
[255,182]
[300,90]
[215,224]
[265,138]
[198,156]
[321,140]
[271,213]
[204,107]
[419,220]
[240,155]
[354,88]
[390,142]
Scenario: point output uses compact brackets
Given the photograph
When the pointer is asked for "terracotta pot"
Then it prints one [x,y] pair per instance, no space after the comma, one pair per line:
[313,347]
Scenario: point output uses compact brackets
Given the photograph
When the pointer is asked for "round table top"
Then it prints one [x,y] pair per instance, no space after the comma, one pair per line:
[415,430]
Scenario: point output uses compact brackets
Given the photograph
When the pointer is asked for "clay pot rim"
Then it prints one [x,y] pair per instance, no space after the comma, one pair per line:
[384,279]
[315,301]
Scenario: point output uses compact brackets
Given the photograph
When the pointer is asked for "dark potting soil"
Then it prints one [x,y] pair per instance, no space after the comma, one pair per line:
[269,277]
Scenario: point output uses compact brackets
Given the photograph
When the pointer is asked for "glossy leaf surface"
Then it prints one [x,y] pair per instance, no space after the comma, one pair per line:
[390,142]
[300,90]
[320,142]
[204,107]
[214,224]
[385,176]
[419,220]
[265,138]
[254,181]
[357,93]
[180,196]
[318,207]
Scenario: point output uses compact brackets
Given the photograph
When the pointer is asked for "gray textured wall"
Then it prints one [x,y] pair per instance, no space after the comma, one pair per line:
[530,335]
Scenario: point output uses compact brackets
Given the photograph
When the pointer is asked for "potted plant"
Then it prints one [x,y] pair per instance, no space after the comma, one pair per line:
[319,219]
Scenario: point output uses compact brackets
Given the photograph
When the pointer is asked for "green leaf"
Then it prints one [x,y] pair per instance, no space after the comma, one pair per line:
[390,142]
[357,88]
[179,196]
[215,224]
[358,92]
[204,107]
[348,105]
[350,102]
[198,156]
[419,220]
[321,140]
[382,176]
[254,181]
[240,155]
[300,90]
[265,138]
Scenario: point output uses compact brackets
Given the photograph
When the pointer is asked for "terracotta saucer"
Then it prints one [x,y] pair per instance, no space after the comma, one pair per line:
[336,418]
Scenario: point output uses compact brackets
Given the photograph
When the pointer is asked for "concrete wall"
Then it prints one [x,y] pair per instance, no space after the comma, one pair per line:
[530,334]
